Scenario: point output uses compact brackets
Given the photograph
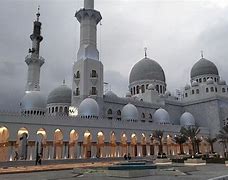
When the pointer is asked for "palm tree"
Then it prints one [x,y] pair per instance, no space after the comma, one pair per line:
[223,138]
[211,141]
[158,134]
[191,133]
[180,139]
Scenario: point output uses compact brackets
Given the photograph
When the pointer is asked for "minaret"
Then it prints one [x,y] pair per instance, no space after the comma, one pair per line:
[88,18]
[33,60]
[87,70]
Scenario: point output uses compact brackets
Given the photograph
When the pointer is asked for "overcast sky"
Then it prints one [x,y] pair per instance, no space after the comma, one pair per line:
[174,32]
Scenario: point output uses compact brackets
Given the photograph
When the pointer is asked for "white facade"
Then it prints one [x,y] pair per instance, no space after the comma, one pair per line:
[84,122]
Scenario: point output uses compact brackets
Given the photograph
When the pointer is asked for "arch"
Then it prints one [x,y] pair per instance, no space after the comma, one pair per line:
[58,144]
[100,144]
[113,144]
[109,113]
[22,141]
[133,145]
[4,136]
[41,143]
[73,138]
[87,144]
[143,143]
[123,140]
[118,113]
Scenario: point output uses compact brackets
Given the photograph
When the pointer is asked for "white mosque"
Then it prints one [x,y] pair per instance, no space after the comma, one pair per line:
[83,122]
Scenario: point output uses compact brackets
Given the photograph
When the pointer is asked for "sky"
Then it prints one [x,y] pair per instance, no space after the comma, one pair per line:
[174,32]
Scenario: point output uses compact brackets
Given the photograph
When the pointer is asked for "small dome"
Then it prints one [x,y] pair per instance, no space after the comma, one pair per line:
[33,100]
[151,87]
[88,107]
[167,93]
[195,83]
[161,116]
[61,94]
[128,94]
[129,113]
[146,69]
[222,82]
[187,87]
[111,94]
[203,67]
[187,119]
[210,81]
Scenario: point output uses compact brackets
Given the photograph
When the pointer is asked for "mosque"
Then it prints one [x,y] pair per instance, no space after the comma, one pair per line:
[85,122]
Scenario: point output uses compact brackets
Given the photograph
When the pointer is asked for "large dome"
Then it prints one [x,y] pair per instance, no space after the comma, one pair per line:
[61,94]
[203,67]
[129,113]
[187,119]
[88,108]
[146,69]
[161,116]
[33,100]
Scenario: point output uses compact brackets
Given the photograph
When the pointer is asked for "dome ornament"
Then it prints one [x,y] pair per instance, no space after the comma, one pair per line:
[201,52]
[38,13]
[145,50]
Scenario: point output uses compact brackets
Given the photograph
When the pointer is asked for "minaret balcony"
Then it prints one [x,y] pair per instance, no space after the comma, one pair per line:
[91,13]
[31,59]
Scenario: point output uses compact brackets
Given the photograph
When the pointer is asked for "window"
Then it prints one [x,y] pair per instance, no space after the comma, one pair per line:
[134,90]
[118,113]
[65,110]
[157,88]
[61,109]
[94,73]
[56,109]
[200,80]
[186,94]
[216,90]
[77,92]
[197,91]
[109,112]
[143,88]
[215,80]
[78,74]
[204,79]
[193,92]
[207,90]
[197,80]
[223,90]
[147,86]
[94,91]
[212,89]
[160,88]
[143,115]
[131,91]
[52,110]
[137,89]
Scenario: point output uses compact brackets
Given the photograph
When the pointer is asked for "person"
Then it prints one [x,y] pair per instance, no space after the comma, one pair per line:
[129,156]
[38,159]
[16,157]
[125,156]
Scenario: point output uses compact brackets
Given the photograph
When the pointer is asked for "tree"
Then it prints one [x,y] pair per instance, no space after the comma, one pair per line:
[158,134]
[191,133]
[223,138]
[211,141]
[180,139]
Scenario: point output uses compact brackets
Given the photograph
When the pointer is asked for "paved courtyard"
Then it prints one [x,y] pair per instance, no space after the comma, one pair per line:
[203,172]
